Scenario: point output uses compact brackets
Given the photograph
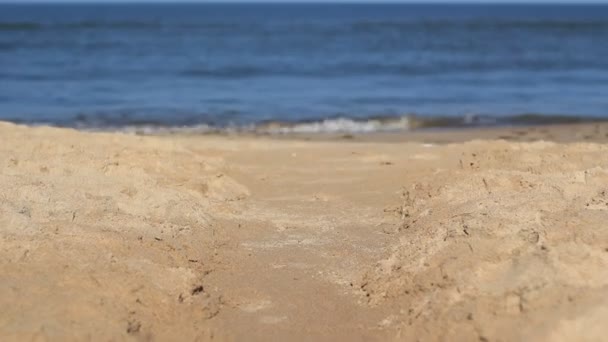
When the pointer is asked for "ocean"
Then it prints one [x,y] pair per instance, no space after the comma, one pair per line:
[301,67]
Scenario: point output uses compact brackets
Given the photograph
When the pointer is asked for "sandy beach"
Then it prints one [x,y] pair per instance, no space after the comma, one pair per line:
[488,235]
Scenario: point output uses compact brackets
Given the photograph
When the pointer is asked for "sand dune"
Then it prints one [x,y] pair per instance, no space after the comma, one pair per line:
[112,237]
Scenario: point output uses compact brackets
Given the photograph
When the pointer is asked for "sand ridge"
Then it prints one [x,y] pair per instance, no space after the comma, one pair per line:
[112,237]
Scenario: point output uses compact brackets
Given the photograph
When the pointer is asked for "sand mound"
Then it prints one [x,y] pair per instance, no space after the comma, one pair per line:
[96,232]
[104,179]
[506,247]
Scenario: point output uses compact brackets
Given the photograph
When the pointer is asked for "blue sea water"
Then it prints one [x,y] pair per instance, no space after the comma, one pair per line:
[238,65]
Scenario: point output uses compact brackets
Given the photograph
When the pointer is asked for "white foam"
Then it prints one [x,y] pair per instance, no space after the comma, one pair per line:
[340,125]
[154,129]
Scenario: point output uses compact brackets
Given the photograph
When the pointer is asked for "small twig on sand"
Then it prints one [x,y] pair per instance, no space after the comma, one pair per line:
[485,184]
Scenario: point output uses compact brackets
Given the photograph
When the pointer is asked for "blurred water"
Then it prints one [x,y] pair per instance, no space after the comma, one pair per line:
[238,64]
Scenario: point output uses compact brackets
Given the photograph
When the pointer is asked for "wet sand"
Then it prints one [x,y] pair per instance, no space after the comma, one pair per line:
[562,133]
[491,235]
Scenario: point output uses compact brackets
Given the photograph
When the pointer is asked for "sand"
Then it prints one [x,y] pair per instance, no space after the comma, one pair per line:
[107,236]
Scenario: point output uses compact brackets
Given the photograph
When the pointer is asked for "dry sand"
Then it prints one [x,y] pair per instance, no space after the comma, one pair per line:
[119,237]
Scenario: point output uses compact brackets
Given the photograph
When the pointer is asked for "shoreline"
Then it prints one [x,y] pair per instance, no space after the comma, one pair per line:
[563,133]
[381,125]
[560,133]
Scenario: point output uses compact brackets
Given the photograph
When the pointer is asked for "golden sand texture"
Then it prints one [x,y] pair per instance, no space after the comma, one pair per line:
[122,237]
